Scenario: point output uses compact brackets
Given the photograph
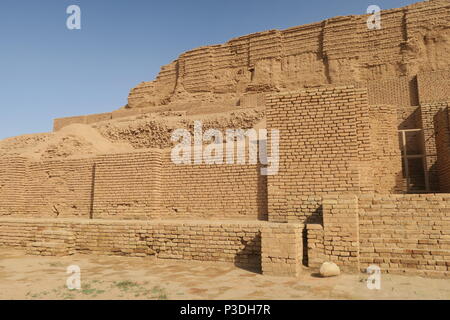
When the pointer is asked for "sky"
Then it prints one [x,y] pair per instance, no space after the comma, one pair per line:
[48,71]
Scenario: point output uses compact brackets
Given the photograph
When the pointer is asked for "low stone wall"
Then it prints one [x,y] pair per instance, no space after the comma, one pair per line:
[238,243]
[405,233]
[400,233]
[282,249]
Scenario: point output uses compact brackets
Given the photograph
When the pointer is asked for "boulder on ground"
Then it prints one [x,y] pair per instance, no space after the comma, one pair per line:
[329,269]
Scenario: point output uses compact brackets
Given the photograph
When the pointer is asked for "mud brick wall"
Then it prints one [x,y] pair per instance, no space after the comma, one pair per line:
[405,233]
[52,243]
[60,123]
[338,50]
[337,240]
[364,143]
[387,159]
[252,100]
[63,122]
[128,185]
[122,113]
[434,86]
[442,127]
[140,185]
[341,230]
[213,191]
[19,232]
[401,91]
[238,243]
[13,173]
[59,188]
[138,94]
[282,249]
[324,147]
[428,113]
[315,248]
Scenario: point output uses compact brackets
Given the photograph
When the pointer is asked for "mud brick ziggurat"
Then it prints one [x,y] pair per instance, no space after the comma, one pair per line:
[364,174]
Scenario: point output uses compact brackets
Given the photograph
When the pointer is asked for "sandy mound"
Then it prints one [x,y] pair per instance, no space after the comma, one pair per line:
[122,135]
[74,141]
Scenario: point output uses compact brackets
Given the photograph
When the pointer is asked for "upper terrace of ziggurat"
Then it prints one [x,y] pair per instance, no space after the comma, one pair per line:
[364,172]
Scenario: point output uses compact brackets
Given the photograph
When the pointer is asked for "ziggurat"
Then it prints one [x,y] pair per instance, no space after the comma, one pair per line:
[364,173]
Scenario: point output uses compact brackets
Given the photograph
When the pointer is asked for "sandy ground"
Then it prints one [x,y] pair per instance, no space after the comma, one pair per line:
[111,277]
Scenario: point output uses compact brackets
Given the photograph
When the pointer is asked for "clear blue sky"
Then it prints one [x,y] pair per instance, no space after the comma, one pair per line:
[48,71]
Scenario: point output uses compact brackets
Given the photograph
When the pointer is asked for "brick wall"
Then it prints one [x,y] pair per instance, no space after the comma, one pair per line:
[428,113]
[58,188]
[341,230]
[339,50]
[401,233]
[387,159]
[442,127]
[282,249]
[213,191]
[13,174]
[60,123]
[274,249]
[324,147]
[63,122]
[140,185]
[239,243]
[128,185]
[434,86]
[400,91]
[252,100]
[337,239]
[315,246]
[405,233]
[49,188]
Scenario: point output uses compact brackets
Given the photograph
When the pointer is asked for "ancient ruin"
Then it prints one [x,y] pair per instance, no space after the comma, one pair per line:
[364,173]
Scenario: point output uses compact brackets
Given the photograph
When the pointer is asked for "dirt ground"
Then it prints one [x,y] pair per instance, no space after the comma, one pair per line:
[113,277]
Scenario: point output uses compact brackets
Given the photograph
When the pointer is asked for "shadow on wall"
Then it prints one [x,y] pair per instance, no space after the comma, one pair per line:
[262,196]
[433,177]
[249,257]
[305,246]
[412,121]
[414,92]
[400,185]
[315,218]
